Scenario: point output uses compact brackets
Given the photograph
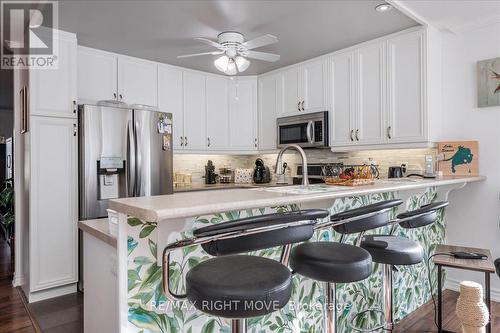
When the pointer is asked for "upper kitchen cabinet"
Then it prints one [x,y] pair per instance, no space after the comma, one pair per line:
[268,107]
[243,114]
[53,91]
[170,99]
[137,81]
[406,84]
[303,88]
[97,76]
[194,101]
[217,103]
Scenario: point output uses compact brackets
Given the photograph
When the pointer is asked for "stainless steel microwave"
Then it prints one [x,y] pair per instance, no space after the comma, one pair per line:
[306,130]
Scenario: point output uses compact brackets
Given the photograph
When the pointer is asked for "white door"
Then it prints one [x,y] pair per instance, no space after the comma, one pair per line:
[342,90]
[289,93]
[170,99]
[313,89]
[371,106]
[267,111]
[217,97]
[97,77]
[195,137]
[243,114]
[407,113]
[137,81]
[53,202]
[53,91]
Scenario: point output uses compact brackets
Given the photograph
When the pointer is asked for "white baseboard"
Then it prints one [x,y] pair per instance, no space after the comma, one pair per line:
[18,281]
[51,293]
[454,285]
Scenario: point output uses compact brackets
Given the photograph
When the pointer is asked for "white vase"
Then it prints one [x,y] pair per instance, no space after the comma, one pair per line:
[471,310]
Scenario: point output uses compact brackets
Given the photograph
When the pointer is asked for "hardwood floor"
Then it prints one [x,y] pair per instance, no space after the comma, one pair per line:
[14,317]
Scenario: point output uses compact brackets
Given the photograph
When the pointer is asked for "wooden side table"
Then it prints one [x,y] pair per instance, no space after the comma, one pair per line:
[478,265]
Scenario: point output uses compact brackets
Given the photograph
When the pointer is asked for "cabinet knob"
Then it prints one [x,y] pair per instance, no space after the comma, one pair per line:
[352,132]
[303,106]
[357,135]
[389,130]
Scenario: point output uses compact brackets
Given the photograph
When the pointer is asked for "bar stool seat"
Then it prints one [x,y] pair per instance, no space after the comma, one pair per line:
[393,250]
[239,286]
[328,261]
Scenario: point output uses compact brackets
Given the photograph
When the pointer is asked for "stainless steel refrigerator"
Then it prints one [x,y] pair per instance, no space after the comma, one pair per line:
[123,152]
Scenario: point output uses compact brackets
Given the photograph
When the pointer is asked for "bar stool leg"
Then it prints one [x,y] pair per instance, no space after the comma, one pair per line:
[330,308]
[387,294]
[238,326]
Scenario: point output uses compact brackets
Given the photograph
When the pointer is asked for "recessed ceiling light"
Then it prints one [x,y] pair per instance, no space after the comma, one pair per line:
[383,7]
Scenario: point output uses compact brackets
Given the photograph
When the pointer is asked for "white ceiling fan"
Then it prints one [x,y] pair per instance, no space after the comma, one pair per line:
[235,51]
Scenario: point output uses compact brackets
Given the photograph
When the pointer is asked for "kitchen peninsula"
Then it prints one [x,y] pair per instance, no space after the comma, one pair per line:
[147,224]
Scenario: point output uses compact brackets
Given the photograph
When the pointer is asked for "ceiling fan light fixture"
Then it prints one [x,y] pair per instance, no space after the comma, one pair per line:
[242,63]
[231,68]
[222,63]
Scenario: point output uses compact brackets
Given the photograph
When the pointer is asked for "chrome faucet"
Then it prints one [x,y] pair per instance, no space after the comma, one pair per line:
[278,170]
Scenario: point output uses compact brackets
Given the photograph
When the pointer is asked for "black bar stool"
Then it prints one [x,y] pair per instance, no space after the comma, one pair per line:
[390,250]
[237,286]
[332,262]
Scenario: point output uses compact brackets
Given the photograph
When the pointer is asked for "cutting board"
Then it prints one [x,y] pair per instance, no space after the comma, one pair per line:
[460,158]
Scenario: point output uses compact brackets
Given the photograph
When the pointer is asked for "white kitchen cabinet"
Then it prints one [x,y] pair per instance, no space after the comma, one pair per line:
[289,91]
[243,114]
[343,121]
[406,95]
[313,92]
[97,75]
[268,106]
[195,137]
[217,104]
[170,99]
[53,204]
[370,92]
[53,91]
[137,81]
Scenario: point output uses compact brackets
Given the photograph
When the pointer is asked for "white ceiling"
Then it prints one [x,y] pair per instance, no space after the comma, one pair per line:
[162,30]
[454,15]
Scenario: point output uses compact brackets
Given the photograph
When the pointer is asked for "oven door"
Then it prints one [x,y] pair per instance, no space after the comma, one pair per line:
[308,131]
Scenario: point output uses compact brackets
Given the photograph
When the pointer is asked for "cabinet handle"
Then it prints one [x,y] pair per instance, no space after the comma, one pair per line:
[352,132]
[114,95]
[121,97]
[74,130]
[303,106]
[298,106]
[255,142]
[357,135]
[208,141]
[389,129]
[74,106]
[182,141]
[185,141]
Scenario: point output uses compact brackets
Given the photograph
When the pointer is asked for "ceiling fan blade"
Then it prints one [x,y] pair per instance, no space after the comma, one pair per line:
[260,41]
[199,54]
[263,56]
[211,43]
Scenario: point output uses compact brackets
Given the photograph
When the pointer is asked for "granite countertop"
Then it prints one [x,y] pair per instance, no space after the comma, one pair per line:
[187,204]
[98,228]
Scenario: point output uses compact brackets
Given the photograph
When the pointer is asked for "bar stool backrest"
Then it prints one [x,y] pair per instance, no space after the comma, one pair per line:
[365,218]
[302,231]
[421,217]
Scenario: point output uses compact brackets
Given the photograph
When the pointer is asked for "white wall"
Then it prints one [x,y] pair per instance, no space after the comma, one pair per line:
[473,218]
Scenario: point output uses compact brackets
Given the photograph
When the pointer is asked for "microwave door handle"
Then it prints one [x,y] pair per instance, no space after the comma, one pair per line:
[309,130]
[130,160]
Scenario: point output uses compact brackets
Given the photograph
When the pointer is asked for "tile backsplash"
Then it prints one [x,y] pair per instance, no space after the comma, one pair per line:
[413,158]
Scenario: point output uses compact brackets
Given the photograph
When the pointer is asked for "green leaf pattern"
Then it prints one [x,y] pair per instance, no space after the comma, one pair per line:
[305,311]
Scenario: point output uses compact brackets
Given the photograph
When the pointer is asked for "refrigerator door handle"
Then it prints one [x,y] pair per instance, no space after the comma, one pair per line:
[131,168]
[138,161]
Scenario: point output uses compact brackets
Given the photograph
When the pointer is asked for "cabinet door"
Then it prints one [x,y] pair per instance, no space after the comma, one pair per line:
[243,114]
[97,76]
[370,74]
[313,88]
[53,202]
[195,137]
[53,91]
[407,113]
[137,81]
[170,96]
[289,86]
[217,113]
[267,112]
[342,90]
